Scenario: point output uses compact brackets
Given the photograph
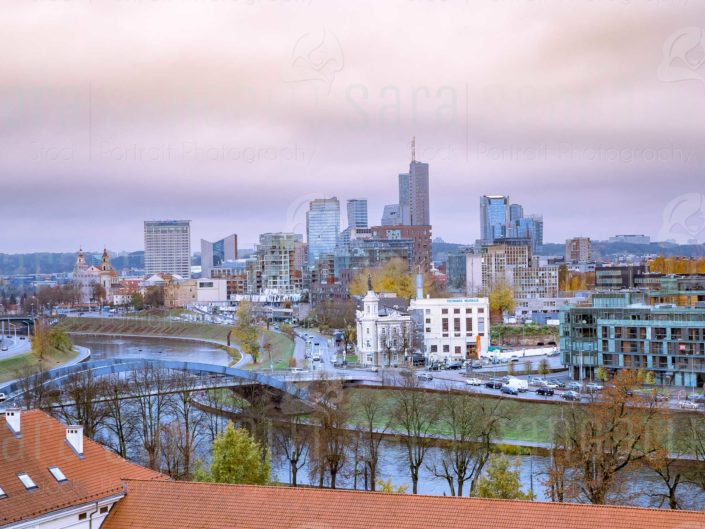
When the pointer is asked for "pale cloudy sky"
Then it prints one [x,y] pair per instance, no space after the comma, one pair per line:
[235,113]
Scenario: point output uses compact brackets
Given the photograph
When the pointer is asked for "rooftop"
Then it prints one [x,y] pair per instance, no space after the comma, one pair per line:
[37,452]
[170,504]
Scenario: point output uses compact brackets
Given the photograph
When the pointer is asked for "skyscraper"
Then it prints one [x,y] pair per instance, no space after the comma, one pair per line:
[214,254]
[322,227]
[391,215]
[414,193]
[167,247]
[494,217]
[357,213]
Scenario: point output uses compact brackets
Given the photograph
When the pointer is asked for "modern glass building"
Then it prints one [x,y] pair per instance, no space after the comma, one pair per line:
[414,195]
[391,216]
[167,247]
[357,213]
[617,333]
[494,217]
[322,227]
[215,254]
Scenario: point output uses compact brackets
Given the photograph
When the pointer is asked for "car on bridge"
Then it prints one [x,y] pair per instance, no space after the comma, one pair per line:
[494,384]
[545,391]
[571,396]
[424,376]
[473,382]
[509,390]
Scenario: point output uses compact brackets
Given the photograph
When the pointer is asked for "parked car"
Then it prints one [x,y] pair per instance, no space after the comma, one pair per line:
[557,382]
[476,364]
[4,347]
[494,384]
[455,365]
[546,392]
[519,384]
[434,367]
[571,395]
[687,405]
[509,390]
[473,382]
[424,376]
[550,385]
[592,387]
[573,386]
[536,381]
[698,399]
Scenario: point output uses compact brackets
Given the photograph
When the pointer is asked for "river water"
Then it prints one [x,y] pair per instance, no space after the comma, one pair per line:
[640,483]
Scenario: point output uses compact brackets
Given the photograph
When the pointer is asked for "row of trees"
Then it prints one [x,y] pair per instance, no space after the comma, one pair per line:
[676,265]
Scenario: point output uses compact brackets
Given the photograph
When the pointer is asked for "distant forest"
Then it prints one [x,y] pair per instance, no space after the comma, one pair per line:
[57,263]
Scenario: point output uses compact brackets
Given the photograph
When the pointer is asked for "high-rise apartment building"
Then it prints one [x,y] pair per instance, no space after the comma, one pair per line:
[215,254]
[578,250]
[322,227]
[494,217]
[167,247]
[414,193]
[421,237]
[281,262]
[357,213]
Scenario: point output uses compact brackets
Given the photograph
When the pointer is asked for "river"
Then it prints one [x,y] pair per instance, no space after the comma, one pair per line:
[640,483]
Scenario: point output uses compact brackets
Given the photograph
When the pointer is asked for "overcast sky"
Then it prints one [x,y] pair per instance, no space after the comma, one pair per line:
[235,113]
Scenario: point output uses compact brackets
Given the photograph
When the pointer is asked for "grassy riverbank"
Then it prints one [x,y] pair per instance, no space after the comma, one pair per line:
[17,366]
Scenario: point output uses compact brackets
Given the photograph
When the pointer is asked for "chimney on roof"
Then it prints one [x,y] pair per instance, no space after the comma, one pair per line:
[12,416]
[74,437]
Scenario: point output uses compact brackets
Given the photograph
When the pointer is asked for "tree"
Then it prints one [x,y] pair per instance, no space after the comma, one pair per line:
[98,293]
[389,487]
[150,386]
[293,441]
[544,368]
[373,422]
[245,331]
[335,314]
[40,339]
[414,415]
[237,459]
[58,339]
[502,481]
[393,276]
[501,300]
[137,301]
[154,296]
[607,436]
[330,451]
[472,424]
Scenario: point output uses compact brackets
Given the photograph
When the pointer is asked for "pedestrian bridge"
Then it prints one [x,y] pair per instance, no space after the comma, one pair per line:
[239,377]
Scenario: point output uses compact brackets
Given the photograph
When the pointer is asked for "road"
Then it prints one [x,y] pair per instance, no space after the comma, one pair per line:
[15,346]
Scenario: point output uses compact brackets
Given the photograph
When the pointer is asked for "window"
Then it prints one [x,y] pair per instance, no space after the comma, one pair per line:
[434,348]
[26,481]
[2,494]
[456,311]
[82,516]
[104,510]
[445,325]
[58,475]
[444,311]
[458,350]
[446,348]
[428,320]
[456,325]
[468,326]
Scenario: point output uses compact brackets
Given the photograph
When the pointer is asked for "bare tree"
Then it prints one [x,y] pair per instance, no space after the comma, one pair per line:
[330,448]
[83,402]
[189,419]
[415,414]
[472,424]
[120,417]
[150,386]
[373,422]
[292,441]
[33,385]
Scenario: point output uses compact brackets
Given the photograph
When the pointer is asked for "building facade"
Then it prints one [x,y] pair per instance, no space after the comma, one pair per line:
[391,216]
[357,213]
[578,250]
[167,247]
[385,336]
[215,254]
[322,227]
[494,217]
[454,329]
[281,260]
[420,237]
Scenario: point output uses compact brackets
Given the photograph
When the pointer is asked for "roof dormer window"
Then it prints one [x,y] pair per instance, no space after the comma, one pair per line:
[27,481]
[2,494]
[58,474]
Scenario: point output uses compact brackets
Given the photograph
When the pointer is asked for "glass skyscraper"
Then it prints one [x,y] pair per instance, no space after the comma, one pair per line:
[322,227]
[414,201]
[357,213]
[494,217]
[214,254]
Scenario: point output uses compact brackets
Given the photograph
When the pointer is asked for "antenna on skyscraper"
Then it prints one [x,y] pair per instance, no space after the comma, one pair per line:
[413,149]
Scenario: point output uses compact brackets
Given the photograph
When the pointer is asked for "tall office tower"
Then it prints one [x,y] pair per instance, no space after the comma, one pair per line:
[529,227]
[516,212]
[214,254]
[357,213]
[391,215]
[167,247]
[494,217]
[322,227]
[414,193]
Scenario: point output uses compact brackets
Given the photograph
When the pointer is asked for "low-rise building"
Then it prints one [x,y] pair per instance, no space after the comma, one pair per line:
[385,336]
[454,329]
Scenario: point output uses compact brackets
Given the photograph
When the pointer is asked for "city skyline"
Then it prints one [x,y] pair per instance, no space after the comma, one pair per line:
[554,115]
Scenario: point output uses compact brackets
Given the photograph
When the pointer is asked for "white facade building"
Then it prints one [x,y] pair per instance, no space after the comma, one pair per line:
[454,329]
[384,336]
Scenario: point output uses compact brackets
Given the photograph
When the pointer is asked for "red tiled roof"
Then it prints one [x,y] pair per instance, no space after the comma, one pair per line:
[99,474]
[172,505]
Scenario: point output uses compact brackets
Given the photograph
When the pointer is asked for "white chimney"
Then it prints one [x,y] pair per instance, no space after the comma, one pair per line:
[74,436]
[12,416]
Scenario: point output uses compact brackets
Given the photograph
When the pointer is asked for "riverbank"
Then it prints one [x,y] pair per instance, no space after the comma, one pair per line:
[17,366]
